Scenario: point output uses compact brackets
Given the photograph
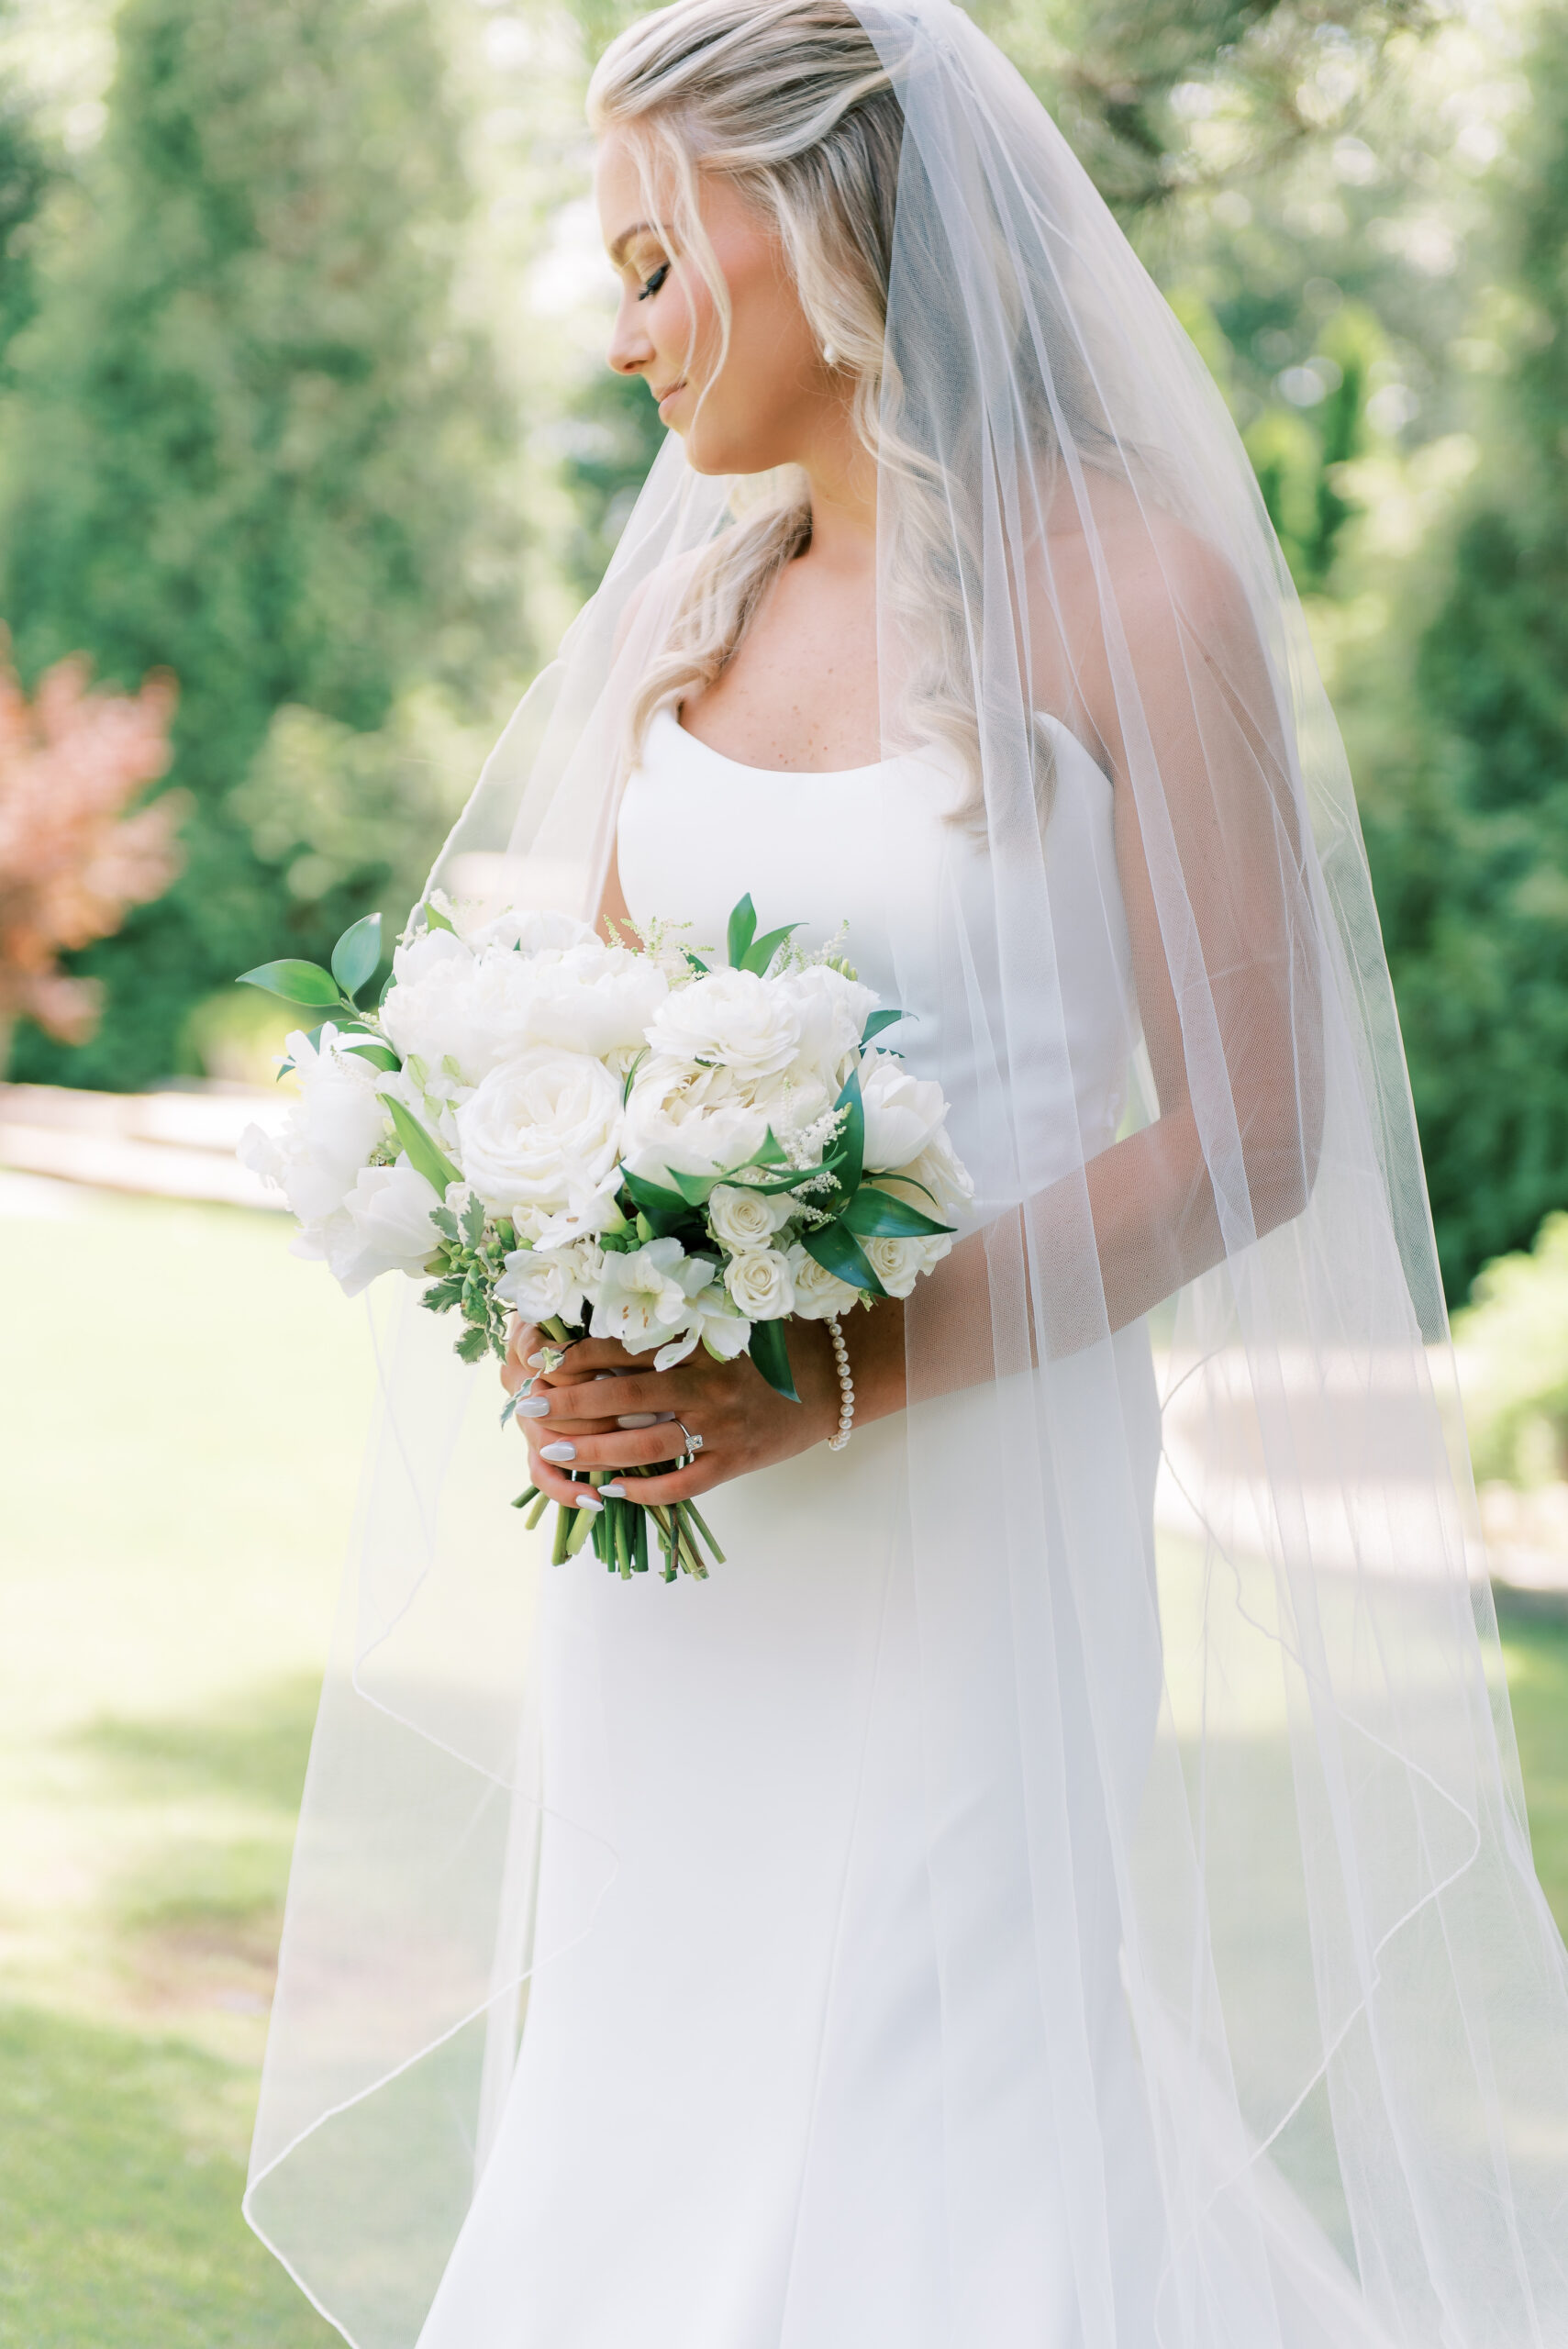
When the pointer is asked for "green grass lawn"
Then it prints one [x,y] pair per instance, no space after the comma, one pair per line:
[182,1404]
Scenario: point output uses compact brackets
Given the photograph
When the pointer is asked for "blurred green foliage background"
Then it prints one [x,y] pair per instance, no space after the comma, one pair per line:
[300,396]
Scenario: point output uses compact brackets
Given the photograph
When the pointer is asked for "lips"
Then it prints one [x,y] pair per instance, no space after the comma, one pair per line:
[660,397]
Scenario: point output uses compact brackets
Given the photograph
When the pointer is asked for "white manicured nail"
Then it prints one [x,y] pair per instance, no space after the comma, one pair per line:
[558,1451]
[612,1492]
[638,1419]
[537,1409]
[590,1501]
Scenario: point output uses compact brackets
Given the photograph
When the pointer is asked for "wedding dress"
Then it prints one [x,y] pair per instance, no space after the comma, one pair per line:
[725,2126]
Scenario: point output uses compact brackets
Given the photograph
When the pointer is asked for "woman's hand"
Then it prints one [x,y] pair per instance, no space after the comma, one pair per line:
[587,1403]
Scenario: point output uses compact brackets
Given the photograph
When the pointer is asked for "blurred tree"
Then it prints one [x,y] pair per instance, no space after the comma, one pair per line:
[1468,828]
[258,451]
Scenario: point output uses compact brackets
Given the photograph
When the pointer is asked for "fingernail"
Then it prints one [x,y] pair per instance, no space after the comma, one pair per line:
[612,1492]
[558,1451]
[638,1420]
[534,1362]
[537,1409]
[590,1501]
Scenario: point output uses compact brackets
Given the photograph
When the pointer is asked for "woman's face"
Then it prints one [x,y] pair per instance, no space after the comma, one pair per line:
[774,390]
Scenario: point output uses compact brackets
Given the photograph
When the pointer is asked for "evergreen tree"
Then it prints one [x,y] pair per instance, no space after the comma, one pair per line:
[256,446]
[1468,833]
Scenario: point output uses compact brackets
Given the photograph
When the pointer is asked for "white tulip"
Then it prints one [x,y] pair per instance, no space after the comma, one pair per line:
[542,1134]
[760,1284]
[901,1112]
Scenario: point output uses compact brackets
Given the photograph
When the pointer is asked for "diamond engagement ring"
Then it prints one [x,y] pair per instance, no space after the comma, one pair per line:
[694,1442]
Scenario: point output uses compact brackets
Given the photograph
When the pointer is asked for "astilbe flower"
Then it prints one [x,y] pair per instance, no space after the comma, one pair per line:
[72,859]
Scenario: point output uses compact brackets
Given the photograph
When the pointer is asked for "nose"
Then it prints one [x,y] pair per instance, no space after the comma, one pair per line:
[631,348]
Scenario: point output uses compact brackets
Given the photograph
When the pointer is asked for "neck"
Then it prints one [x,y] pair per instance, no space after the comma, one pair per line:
[842,480]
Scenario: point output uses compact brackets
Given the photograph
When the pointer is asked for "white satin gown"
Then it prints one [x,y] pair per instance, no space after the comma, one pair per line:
[726,2129]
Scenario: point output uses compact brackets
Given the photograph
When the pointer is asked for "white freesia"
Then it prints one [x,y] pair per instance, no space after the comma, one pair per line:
[595,999]
[385,1227]
[817,1292]
[901,1111]
[646,1294]
[745,1219]
[714,1320]
[729,1019]
[898,1263]
[760,1284]
[832,1011]
[331,1133]
[542,1134]
[551,1283]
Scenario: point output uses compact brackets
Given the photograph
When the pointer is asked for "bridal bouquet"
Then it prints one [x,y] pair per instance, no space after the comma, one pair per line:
[618,1139]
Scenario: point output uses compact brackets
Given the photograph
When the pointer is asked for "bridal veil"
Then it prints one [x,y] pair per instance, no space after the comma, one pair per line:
[1348,1998]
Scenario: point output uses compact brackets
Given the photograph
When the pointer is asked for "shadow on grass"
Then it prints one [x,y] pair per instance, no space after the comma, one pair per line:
[253,1753]
[122,2219]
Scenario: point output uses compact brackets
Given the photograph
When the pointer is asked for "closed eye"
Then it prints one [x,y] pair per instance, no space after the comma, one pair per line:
[655,282]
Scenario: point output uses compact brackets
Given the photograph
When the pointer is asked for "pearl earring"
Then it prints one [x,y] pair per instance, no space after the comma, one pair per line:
[829,356]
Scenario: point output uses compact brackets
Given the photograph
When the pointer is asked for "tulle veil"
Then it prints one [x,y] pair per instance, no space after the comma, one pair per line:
[1348,1998]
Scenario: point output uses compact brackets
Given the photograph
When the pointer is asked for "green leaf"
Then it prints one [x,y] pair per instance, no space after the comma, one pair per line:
[761,951]
[471,1347]
[769,1153]
[474,1220]
[296,981]
[447,1224]
[631,1072]
[357,953]
[849,1151]
[839,1253]
[379,1056]
[693,1188]
[881,1019]
[877,1215]
[742,931]
[664,1211]
[696,961]
[771,1355]
[425,1154]
[436,919]
[441,1297]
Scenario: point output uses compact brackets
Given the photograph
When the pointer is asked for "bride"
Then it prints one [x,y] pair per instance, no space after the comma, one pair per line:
[1063,1880]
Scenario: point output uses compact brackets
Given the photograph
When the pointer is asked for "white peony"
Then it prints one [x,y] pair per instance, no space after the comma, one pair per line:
[533,930]
[593,998]
[551,1283]
[903,1112]
[331,1133]
[385,1227]
[542,1135]
[744,1218]
[456,1010]
[730,1020]
[898,1263]
[832,1011]
[760,1284]
[689,1121]
[817,1292]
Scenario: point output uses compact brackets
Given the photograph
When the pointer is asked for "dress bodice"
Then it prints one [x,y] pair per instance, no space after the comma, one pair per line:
[871,848]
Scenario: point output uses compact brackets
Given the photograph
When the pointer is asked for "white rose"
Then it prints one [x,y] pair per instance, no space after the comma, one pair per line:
[595,999]
[551,1283]
[901,1111]
[331,1133]
[760,1283]
[645,1295]
[744,1218]
[832,1011]
[385,1227]
[542,1134]
[898,1263]
[729,1019]
[817,1292]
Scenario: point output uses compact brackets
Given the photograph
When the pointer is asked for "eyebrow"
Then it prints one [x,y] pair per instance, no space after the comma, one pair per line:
[617,251]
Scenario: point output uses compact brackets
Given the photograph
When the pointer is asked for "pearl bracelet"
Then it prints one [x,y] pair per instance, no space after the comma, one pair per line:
[846,1385]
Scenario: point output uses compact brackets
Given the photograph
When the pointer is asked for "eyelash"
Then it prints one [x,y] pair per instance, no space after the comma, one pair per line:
[655,282]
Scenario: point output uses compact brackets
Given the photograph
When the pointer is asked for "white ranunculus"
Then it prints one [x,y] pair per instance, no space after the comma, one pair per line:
[595,999]
[760,1284]
[901,1111]
[832,1011]
[745,1219]
[459,1011]
[730,1020]
[385,1227]
[645,1297]
[542,1135]
[898,1263]
[331,1133]
[551,1283]
[937,1182]
[817,1292]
